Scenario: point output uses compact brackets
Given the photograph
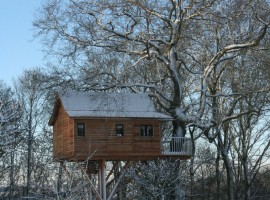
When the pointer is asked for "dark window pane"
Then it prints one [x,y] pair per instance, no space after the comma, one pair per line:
[146,130]
[81,129]
[149,130]
[119,129]
[143,133]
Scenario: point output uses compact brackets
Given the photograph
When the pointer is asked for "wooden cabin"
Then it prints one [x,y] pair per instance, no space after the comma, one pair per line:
[111,126]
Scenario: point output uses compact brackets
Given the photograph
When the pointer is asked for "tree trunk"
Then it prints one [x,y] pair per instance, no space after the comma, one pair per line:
[59,180]
[229,172]
[29,153]
[175,194]
[179,129]
[191,168]
[29,148]
[11,176]
[246,180]
[217,174]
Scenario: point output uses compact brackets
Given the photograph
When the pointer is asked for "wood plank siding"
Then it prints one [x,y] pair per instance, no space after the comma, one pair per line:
[63,136]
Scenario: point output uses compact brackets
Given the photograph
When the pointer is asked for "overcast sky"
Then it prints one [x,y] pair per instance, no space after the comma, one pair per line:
[18,51]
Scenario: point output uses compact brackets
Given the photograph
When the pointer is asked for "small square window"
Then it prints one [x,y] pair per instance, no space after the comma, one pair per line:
[81,129]
[146,130]
[119,129]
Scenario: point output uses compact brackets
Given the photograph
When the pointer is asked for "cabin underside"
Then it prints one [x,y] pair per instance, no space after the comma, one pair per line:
[121,157]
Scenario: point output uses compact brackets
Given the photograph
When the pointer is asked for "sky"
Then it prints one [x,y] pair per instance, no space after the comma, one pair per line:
[18,49]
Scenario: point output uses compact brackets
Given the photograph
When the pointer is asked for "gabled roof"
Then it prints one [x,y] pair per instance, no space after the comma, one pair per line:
[110,105]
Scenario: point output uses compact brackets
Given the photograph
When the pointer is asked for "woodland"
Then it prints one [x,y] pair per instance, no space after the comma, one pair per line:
[204,63]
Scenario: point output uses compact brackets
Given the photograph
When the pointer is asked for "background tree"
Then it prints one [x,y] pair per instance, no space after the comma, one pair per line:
[9,115]
[156,180]
[10,135]
[29,92]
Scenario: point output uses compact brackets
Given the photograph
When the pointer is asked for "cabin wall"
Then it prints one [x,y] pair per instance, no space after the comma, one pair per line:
[101,142]
[63,136]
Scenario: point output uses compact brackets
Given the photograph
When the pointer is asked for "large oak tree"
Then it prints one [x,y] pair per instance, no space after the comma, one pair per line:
[188,55]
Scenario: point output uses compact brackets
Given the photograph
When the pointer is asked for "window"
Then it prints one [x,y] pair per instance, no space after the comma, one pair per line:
[146,130]
[81,129]
[119,129]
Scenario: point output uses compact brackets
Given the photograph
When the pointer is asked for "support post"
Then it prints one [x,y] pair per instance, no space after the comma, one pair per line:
[99,178]
[102,179]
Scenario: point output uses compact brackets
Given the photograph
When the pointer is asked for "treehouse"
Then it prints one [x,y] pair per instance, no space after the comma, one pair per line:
[111,127]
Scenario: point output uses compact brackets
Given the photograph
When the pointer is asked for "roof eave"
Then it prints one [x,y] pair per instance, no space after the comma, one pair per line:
[131,117]
[57,103]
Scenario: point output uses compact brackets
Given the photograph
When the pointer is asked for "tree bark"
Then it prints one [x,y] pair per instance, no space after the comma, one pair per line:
[229,172]
[29,148]
[247,181]
[59,179]
[191,168]
[11,176]
[217,174]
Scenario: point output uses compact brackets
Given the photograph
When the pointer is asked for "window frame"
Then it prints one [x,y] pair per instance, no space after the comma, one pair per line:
[119,131]
[145,129]
[83,129]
